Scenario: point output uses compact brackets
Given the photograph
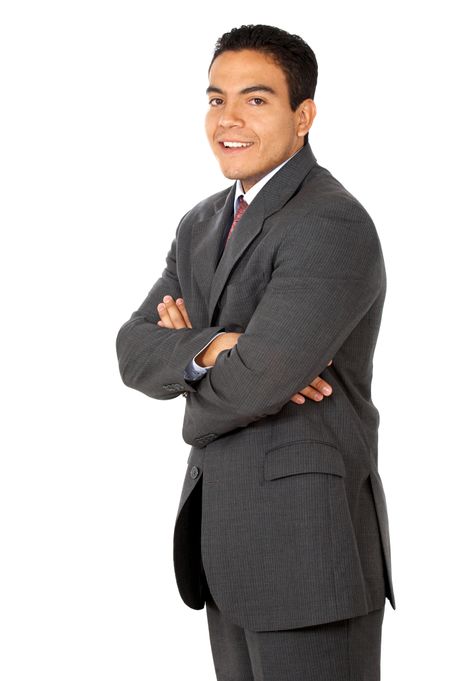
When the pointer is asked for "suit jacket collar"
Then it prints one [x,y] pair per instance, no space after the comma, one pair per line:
[207,236]
[251,194]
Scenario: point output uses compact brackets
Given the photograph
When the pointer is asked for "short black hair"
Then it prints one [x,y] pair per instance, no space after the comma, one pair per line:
[290,52]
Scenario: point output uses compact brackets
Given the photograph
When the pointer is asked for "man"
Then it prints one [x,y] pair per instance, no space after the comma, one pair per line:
[282,526]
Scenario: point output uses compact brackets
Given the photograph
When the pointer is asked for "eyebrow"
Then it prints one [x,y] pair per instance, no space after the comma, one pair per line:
[245,91]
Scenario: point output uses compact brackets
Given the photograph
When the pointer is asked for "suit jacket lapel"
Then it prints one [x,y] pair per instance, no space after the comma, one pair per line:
[206,242]
[207,235]
[248,227]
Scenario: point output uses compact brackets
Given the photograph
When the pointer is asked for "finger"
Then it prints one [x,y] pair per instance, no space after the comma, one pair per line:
[174,313]
[181,306]
[330,362]
[322,386]
[165,317]
[311,393]
[298,399]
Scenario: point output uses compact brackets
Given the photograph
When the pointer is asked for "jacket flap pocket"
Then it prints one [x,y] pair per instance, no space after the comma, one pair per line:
[303,456]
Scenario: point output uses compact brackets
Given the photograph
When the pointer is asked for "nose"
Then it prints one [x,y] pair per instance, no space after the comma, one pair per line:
[230,116]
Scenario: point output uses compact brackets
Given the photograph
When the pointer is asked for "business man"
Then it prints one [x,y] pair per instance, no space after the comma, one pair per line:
[272,293]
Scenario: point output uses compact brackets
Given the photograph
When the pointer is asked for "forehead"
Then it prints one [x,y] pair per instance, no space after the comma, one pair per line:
[236,70]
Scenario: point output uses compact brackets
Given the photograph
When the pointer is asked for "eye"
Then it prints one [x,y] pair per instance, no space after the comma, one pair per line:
[257,99]
[215,99]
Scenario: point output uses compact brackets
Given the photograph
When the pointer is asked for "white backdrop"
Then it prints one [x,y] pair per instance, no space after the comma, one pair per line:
[102,152]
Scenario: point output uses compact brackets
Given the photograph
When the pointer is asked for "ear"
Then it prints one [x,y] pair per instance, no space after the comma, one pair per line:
[306,112]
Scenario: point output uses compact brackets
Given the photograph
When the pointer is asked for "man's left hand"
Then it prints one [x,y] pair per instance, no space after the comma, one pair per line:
[173,314]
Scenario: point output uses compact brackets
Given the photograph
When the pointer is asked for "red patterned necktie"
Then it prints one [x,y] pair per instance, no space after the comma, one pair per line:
[243,205]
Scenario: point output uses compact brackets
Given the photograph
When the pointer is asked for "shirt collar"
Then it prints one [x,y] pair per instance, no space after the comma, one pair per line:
[250,195]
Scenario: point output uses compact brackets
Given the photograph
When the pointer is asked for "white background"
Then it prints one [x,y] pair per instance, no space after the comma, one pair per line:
[102,152]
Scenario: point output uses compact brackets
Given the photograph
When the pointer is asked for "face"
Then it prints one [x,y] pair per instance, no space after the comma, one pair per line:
[248,101]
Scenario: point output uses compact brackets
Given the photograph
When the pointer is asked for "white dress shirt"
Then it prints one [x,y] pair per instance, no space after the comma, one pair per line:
[194,371]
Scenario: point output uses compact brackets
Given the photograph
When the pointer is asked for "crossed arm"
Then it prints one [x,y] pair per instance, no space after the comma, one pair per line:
[327,273]
[151,359]
[152,352]
[174,315]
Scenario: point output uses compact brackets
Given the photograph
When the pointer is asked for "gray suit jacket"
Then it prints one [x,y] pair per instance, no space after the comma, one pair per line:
[294,524]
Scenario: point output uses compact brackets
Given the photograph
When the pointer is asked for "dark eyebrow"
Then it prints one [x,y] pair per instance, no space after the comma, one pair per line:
[245,91]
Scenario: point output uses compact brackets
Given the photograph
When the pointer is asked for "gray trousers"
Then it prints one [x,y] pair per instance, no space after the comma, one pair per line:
[344,650]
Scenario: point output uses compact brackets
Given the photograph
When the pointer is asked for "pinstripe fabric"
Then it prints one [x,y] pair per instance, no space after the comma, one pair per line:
[193,371]
[289,515]
[345,650]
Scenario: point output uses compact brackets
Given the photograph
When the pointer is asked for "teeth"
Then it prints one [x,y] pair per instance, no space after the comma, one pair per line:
[237,144]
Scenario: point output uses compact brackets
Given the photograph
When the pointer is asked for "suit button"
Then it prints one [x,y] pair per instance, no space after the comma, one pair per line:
[194,472]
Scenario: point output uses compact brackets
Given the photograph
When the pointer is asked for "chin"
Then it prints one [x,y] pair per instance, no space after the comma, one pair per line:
[231,174]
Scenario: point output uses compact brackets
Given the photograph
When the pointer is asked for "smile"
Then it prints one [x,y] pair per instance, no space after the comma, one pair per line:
[229,146]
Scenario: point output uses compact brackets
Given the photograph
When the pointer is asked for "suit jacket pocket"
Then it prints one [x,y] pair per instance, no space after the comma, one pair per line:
[303,456]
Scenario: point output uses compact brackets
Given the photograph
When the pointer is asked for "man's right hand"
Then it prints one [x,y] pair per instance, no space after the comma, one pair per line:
[316,390]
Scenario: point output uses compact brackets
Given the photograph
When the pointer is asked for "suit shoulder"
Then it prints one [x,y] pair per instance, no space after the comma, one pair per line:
[329,210]
[326,196]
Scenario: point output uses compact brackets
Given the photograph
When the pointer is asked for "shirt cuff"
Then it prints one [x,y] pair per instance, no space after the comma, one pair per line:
[194,371]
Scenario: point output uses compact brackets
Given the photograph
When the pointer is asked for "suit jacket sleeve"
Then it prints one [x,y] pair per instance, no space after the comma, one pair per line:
[151,358]
[327,273]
